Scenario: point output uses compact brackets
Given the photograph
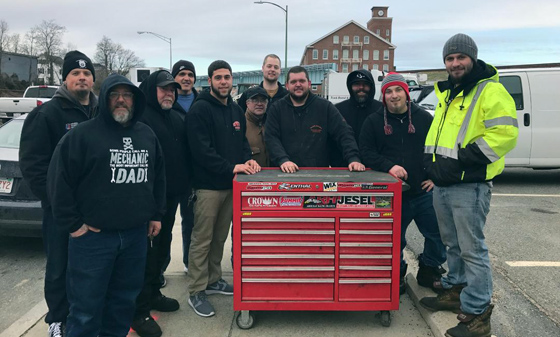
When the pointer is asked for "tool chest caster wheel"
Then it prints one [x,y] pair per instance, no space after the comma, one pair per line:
[245,319]
[386,318]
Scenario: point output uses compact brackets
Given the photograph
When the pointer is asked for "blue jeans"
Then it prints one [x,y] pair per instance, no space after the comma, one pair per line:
[462,210]
[56,249]
[420,208]
[105,275]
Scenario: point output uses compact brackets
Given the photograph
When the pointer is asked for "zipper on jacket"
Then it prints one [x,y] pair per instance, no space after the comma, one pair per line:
[440,127]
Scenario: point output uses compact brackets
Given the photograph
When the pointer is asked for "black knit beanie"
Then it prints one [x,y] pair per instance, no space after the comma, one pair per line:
[182,65]
[75,59]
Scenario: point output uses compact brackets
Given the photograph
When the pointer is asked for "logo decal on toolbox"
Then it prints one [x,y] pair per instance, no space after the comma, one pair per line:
[299,187]
[356,201]
[370,186]
[330,187]
[291,201]
[263,202]
[320,202]
[258,188]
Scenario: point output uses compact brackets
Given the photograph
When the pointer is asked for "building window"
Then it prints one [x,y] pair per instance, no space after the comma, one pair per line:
[335,54]
[385,54]
[335,39]
[366,67]
[355,67]
[346,39]
[376,55]
[385,67]
[366,55]
[325,54]
[314,87]
[345,54]
[387,32]
[375,67]
[315,54]
[366,39]
[355,54]
[378,32]
[356,39]
[345,67]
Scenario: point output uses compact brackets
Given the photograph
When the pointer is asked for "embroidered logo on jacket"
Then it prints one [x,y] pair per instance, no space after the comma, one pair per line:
[70,126]
[237,126]
[316,129]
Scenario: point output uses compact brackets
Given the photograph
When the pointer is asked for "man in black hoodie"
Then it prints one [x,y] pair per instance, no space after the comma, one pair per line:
[73,103]
[271,68]
[389,142]
[299,126]
[216,132]
[160,90]
[356,109]
[106,184]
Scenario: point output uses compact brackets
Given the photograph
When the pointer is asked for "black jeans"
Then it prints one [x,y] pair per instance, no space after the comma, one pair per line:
[158,252]
[56,249]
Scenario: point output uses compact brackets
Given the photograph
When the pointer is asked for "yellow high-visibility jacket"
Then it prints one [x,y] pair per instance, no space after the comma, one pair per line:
[471,133]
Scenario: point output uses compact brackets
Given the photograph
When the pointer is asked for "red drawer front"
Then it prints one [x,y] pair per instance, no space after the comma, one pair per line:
[366,225]
[367,248]
[287,272]
[345,261]
[245,224]
[287,248]
[287,259]
[362,290]
[365,236]
[365,271]
[289,290]
[287,236]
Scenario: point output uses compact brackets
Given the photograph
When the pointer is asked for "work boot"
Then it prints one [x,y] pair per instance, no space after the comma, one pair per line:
[427,275]
[472,325]
[146,326]
[402,284]
[449,300]
[165,304]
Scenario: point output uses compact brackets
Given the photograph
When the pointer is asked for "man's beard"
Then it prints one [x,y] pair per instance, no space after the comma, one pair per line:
[300,99]
[218,94]
[122,117]
[82,94]
[361,99]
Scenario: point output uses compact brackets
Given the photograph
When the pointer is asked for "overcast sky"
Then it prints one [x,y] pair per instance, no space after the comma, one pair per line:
[241,32]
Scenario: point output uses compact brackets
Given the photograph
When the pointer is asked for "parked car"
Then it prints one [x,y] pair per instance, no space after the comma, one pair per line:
[33,97]
[20,210]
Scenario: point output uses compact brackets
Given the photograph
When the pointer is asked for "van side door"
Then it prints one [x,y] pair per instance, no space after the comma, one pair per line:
[517,85]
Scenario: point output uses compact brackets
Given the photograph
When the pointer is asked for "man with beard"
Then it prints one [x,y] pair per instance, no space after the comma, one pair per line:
[299,126]
[216,132]
[106,184]
[160,89]
[185,74]
[390,142]
[271,69]
[475,126]
[357,108]
[73,103]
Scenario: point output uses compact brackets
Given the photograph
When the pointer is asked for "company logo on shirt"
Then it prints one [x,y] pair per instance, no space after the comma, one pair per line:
[128,166]
[316,129]
[70,126]
[237,126]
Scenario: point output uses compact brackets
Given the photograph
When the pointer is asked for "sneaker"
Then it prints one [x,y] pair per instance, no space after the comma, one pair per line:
[427,275]
[219,287]
[449,300]
[186,269]
[146,326]
[165,304]
[472,325]
[55,329]
[199,303]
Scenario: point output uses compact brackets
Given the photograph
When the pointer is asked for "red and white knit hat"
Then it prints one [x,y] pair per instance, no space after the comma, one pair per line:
[390,80]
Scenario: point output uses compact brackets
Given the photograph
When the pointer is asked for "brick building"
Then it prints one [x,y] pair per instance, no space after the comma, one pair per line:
[353,46]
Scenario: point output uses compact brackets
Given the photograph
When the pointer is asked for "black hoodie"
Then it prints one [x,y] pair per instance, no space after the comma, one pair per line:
[107,175]
[355,113]
[42,129]
[170,130]
[381,152]
[216,134]
[300,134]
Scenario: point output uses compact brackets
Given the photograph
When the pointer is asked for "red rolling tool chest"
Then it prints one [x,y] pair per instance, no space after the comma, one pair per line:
[318,239]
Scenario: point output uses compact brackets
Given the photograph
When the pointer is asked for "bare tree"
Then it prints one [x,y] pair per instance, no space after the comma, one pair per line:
[49,41]
[105,55]
[15,43]
[125,60]
[29,44]
[115,58]
[4,28]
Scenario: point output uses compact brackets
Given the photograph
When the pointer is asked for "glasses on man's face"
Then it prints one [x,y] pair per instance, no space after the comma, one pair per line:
[258,100]
[125,95]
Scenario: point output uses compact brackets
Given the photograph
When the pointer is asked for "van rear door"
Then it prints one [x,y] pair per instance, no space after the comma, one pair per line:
[517,84]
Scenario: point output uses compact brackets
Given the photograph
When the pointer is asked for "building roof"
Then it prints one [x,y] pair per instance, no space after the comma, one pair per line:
[391,46]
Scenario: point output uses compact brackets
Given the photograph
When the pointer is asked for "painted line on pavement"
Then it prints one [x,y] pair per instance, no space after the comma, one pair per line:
[527,195]
[533,263]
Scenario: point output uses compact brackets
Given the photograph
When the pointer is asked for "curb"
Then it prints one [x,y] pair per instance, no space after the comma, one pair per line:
[27,321]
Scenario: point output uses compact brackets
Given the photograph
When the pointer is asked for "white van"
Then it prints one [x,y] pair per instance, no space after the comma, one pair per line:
[537,99]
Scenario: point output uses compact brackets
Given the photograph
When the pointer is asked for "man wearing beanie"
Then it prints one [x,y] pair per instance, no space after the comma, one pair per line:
[392,140]
[271,68]
[73,103]
[475,125]
[357,108]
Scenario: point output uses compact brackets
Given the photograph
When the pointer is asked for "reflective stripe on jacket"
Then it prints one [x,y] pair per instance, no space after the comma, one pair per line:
[471,134]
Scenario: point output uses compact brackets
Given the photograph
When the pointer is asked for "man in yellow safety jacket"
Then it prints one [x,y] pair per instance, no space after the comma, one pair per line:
[475,125]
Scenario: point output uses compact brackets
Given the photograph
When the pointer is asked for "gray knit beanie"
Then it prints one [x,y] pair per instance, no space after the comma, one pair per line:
[460,43]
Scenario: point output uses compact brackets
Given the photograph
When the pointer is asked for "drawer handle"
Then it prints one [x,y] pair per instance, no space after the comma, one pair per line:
[287,220]
[288,280]
[287,244]
[384,220]
[383,280]
[257,231]
[365,268]
[362,244]
[287,256]
[361,232]
[366,256]
[287,268]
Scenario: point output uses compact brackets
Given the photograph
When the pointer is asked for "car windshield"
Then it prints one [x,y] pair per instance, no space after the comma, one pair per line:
[10,134]
[429,102]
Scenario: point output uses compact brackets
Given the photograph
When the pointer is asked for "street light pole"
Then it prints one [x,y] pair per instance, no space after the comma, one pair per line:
[166,39]
[286,38]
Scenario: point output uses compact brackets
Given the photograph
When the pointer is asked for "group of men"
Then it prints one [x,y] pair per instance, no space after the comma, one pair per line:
[110,186]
